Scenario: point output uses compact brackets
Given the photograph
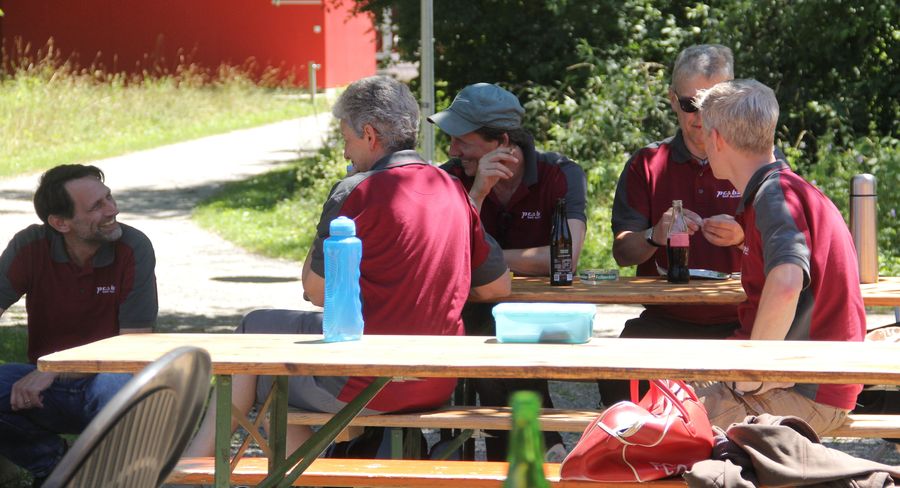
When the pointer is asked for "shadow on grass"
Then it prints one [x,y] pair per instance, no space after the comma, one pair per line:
[261,192]
[186,322]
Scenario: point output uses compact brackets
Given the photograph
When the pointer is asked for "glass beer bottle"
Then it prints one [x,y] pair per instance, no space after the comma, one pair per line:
[526,443]
[677,247]
[560,247]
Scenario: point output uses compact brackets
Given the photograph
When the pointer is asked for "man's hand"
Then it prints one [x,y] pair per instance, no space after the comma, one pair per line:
[693,221]
[723,230]
[757,387]
[26,393]
[492,167]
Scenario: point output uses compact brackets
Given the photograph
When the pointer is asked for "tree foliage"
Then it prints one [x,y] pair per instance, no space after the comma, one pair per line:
[593,77]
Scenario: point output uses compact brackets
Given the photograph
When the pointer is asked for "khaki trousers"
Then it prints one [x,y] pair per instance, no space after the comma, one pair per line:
[726,407]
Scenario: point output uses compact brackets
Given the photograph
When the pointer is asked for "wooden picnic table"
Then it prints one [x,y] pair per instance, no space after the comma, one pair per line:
[653,290]
[440,356]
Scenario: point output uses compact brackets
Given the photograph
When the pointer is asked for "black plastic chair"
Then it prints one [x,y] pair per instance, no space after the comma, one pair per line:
[136,440]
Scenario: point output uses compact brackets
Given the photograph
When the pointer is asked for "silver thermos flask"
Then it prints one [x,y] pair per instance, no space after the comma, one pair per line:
[863,226]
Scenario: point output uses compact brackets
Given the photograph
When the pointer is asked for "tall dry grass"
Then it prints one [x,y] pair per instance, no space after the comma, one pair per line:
[54,112]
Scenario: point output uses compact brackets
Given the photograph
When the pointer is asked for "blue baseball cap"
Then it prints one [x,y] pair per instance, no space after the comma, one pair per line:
[480,105]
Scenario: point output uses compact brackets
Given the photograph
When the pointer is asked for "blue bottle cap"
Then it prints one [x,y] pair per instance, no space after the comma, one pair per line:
[342,227]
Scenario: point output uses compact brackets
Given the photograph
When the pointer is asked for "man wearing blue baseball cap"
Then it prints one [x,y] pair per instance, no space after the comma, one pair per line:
[515,188]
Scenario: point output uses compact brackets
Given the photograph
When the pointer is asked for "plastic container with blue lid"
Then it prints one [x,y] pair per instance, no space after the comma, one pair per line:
[566,323]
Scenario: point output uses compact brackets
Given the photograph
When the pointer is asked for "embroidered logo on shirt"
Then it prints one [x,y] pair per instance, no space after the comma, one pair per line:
[106,290]
[728,194]
[536,215]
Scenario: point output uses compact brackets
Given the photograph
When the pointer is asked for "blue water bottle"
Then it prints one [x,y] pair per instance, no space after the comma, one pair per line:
[343,311]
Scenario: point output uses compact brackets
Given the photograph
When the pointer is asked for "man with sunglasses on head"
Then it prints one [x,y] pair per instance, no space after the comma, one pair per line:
[515,188]
[677,169]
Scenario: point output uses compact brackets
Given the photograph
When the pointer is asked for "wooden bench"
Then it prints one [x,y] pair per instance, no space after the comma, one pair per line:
[386,473]
[474,474]
[554,420]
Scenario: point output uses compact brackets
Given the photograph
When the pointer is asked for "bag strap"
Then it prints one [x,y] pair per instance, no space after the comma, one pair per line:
[664,388]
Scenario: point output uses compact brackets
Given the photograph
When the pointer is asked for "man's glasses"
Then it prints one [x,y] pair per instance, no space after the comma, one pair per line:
[686,104]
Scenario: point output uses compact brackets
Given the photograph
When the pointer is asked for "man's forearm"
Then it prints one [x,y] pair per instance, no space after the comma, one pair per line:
[500,287]
[313,284]
[778,303]
[631,248]
[531,261]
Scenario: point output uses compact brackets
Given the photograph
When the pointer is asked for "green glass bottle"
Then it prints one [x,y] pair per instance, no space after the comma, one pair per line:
[526,443]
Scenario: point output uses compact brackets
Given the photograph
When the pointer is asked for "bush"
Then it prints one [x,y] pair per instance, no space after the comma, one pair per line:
[622,107]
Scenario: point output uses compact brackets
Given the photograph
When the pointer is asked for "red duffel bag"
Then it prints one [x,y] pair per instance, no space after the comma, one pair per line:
[661,436]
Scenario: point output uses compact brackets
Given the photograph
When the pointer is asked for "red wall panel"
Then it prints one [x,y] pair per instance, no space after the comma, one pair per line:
[132,35]
[349,57]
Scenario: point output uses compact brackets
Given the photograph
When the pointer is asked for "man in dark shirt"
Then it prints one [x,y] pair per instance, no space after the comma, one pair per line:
[516,188]
[86,277]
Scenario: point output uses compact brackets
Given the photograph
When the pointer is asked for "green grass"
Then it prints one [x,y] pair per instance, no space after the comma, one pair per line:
[275,214]
[51,113]
[260,214]
[13,345]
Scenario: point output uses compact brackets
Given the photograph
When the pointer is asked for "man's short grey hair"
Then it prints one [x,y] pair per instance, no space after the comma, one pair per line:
[384,103]
[744,112]
[706,60]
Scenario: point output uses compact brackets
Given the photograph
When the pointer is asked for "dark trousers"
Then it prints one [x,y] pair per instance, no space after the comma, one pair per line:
[494,392]
[652,326]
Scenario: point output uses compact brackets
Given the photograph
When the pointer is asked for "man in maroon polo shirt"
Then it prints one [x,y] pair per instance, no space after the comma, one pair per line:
[85,277]
[676,169]
[424,253]
[514,186]
[799,268]
[516,189]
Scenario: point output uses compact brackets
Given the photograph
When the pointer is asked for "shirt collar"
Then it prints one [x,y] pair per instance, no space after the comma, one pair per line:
[104,256]
[531,171]
[758,178]
[399,158]
[679,150]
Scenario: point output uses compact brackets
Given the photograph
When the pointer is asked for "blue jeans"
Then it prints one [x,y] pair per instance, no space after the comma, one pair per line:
[30,438]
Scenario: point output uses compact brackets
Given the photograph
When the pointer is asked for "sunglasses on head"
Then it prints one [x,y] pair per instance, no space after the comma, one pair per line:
[686,104]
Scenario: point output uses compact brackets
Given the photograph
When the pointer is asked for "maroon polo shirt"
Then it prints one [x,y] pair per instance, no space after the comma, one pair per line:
[69,306]
[423,248]
[527,219]
[787,220]
[654,177]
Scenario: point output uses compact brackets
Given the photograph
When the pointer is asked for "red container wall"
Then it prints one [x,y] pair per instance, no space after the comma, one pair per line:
[136,35]
[349,57]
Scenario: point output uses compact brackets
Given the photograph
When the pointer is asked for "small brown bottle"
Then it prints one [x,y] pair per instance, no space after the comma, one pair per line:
[561,247]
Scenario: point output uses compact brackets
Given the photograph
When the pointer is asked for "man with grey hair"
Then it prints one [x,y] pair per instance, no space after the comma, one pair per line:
[799,266]
[422,258]
[676,169]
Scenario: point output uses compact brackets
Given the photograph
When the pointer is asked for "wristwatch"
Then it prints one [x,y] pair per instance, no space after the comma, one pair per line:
[648,234]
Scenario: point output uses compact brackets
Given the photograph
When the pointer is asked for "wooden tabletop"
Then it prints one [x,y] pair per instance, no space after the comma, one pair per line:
[644,290]
[440,356]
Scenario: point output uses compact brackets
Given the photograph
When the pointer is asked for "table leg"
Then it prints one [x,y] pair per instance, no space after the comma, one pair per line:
[223,431]
[315,445]
[278,423]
